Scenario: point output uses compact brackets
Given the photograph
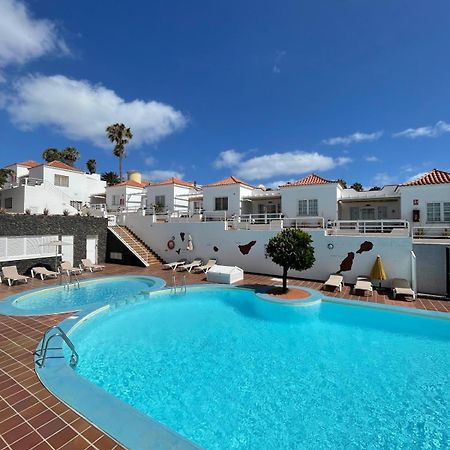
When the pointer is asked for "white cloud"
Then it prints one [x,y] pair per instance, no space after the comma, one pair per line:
[353,138]
[149,161]
[161,174]
[372,159]
[23,37]
[228,158]
[80,110]
[433,131]
[279,55]
[417,175]
[382,179]
[275,164]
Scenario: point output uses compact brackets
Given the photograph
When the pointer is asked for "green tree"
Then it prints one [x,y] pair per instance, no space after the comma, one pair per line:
[70,155]
[291,249]
[4,174]
[357,187]
[342,182]
[375,188]
[51,154]
[120,135]
[91,165]
[111,178]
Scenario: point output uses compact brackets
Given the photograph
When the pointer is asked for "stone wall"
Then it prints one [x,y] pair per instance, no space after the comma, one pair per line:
[77,226]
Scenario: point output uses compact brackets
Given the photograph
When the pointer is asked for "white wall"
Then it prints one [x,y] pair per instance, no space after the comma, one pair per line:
[326,194]
[424,194]
[395,251]
[392,207]
[234,192]
[125,196]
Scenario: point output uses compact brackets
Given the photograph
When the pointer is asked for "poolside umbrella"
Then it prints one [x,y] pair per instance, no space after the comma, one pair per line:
[378,272]
[190,245]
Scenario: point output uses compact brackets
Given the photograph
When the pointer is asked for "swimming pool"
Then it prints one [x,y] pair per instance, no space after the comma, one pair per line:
[94,291]
[225,369]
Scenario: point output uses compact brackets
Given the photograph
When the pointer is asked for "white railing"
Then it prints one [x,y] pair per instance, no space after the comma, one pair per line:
[351,227]
[431,232]
[274,222]
[187,217]
[259,218]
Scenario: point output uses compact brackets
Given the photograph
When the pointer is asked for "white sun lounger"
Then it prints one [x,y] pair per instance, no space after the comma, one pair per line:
[206,267]
[190,266]
[335,281]
[400,286]
[87,264]
[43,273]
[363,284]
[174,265]
[68,268]
[10,274]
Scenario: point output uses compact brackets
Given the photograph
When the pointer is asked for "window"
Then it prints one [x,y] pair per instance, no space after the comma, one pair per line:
[221,204]
[313,207]
[75,204]
[308,207]
[114,200]
[354,213]
[433,212]
[447,212]
[382,212]
[160,200]
[8,203]
[62,180]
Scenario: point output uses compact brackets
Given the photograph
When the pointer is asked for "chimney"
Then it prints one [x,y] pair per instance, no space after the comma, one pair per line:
[134,175]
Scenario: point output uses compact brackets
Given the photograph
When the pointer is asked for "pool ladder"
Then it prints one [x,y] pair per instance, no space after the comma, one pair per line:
[174,287]
[41,353]
[73,280]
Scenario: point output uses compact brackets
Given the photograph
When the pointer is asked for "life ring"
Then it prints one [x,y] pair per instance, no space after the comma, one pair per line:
[171,244]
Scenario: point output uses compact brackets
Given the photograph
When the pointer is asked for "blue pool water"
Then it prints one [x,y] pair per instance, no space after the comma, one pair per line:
[101,290]
[229,371]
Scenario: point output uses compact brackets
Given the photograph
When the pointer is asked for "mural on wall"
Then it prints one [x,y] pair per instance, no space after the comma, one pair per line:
[216,249]
[245,249]
[182,235]
[178,251]
[347,263]
[366,246]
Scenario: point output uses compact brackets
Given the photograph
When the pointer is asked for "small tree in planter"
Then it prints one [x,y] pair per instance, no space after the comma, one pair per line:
[291,249]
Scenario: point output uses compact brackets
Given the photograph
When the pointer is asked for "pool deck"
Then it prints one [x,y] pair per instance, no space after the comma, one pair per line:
[32,418]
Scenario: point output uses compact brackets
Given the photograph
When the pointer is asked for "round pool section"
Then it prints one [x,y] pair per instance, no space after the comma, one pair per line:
[88,293]
[226,369]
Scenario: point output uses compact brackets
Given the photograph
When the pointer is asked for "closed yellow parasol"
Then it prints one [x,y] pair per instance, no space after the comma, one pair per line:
[378,272]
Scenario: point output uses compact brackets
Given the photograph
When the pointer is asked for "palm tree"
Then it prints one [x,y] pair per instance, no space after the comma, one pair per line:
[69,155]
[120,135]
[111,178]
[357,187]
[51,154]
[91,165]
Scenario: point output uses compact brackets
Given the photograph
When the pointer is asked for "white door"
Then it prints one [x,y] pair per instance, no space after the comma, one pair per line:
[67,249]
[91,248]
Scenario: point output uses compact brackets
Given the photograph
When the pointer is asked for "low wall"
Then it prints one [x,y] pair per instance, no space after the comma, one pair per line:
[355,255]
[77,226]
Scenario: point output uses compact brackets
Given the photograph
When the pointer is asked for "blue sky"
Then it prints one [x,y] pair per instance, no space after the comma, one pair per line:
[268,91]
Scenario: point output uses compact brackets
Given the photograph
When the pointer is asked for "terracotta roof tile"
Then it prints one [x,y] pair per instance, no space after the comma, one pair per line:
[132,183]
[308,180]
[228,181]
[28,163]
[174,180]
[434,177]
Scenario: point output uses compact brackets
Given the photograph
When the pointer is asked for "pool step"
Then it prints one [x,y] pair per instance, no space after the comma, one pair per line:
[136,245]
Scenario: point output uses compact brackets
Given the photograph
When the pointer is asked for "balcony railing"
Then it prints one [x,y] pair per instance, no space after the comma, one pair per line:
[351,227]
[431,232]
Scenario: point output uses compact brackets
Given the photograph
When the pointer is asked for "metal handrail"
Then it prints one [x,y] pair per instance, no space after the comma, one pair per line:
[42,352]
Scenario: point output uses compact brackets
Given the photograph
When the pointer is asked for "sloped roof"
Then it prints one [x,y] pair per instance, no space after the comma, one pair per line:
[309,180]
[59,165]
[28,163]
[434,177]
[228,181]
[174,180]
[132,183]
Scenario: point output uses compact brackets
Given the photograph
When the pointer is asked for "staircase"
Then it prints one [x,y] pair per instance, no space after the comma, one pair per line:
[144,253]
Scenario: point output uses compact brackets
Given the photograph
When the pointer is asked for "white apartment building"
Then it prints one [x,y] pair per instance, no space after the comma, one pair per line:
[54,186]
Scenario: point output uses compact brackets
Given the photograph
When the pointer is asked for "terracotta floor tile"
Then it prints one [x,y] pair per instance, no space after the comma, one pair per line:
[62,437]
[17,433]
[27,442]
[77,443]
[51,427]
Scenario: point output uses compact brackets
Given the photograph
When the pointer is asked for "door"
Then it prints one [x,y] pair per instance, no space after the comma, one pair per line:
[367,213]
[91,248]
[67,249]
[354,213]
